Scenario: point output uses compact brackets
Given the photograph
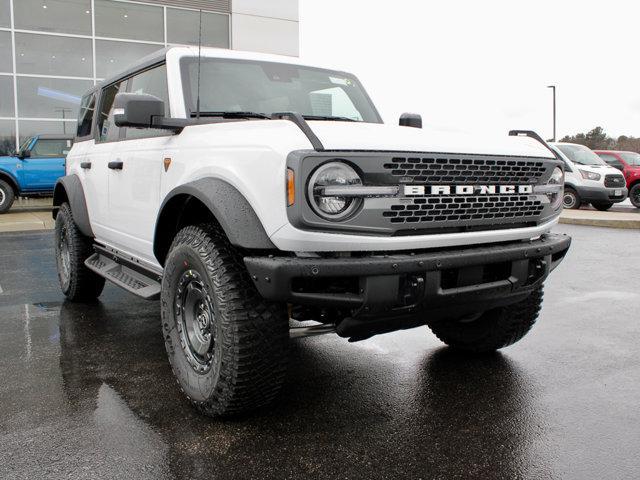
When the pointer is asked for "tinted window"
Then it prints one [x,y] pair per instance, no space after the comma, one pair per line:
[6,97]
[50,97]
[53,55]
[62,16]
[611,160]
[51,148]
[6,61]
[631,158]
[85,117]
[153,82]
[183,28]
[5,14]
[30,128]
[129,20]
[7,137]
[107,131]
[114,57]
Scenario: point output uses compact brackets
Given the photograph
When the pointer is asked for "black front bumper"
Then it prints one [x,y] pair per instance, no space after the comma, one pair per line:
[453,279]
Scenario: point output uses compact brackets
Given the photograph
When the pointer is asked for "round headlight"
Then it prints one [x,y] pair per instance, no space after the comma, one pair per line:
[557,179]
[331,206]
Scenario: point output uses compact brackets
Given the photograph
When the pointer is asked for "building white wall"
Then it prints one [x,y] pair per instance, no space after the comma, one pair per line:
[265,26]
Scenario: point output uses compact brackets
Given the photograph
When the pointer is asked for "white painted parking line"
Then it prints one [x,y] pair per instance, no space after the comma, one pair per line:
[1,290]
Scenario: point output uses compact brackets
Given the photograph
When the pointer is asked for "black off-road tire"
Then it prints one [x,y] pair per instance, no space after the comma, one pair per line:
[634,195]
[244,364]
[602,206]
[7,196]
[493,329]
[571,198]
[72,248]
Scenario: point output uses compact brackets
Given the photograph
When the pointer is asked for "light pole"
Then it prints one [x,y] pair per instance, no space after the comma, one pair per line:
[553,87]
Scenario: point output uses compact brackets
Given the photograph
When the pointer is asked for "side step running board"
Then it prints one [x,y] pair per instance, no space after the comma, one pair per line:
[124,277]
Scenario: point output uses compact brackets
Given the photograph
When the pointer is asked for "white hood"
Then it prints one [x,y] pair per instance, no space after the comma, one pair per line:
[372,136]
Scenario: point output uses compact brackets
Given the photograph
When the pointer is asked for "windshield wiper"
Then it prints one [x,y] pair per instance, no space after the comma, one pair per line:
[328,117]
[231,114]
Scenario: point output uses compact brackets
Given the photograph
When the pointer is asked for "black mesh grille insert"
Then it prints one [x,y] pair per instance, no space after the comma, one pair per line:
[613,180]
[433,169]
[465,208]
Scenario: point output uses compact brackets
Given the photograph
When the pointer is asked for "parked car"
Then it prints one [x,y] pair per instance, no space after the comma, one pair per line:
[274,191]
[629,164]
[35,168]
[588,178]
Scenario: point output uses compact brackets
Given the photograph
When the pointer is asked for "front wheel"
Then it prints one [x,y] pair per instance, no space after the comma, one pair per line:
[603,206]
[7,196]
[571,199]
[634,195]
[493,329]
[72,248]
[227,346]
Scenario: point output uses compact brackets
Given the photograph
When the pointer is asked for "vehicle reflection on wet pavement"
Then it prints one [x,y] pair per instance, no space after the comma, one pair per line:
[86,390]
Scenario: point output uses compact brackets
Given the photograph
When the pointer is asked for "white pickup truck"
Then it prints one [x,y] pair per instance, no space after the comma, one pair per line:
[249,191]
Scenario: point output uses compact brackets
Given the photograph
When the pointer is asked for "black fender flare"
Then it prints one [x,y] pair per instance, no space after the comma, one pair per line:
[230,208]
[70,188]
[13,181]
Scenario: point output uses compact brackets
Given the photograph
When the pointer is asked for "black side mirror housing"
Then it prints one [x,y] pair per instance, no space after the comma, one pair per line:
[136,110]
[410,120]
[22,154]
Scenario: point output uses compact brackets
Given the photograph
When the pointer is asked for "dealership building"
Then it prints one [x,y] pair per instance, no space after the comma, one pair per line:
[51,51]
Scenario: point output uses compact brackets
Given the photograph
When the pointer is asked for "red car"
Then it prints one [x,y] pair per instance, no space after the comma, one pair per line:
[629,164]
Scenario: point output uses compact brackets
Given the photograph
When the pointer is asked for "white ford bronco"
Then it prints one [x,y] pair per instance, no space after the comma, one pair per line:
[250,192]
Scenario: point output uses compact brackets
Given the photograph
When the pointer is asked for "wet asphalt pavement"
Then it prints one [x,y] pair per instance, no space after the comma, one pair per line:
[86,391]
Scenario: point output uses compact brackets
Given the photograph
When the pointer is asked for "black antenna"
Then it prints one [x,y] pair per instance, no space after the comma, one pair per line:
[199,62]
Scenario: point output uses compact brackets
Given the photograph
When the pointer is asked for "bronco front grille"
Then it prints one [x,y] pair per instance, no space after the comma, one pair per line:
[611,181]
[435,169]
[466,209]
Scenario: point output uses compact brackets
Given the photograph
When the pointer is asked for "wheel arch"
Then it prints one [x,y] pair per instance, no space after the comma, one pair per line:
[209,199]
[69,189]
[11,180]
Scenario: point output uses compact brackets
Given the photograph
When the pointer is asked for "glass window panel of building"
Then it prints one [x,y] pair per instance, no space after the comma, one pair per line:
[129,20]
[113,57]
[6,59]
[7,137]
[6,97]
[53,55]
[182,28]
[5,13]
[50,97]
[29,128]
[61,16]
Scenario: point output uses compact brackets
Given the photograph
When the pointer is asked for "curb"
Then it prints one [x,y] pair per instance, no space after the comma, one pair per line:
[602,222]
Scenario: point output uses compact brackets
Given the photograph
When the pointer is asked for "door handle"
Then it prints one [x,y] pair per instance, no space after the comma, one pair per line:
[85,165]
[116,165]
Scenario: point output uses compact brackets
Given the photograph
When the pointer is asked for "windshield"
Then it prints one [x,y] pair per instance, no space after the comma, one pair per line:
[581,154]
[631,158]
[228,85]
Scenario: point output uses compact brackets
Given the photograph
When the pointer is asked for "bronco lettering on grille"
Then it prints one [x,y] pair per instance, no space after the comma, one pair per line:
[411,190]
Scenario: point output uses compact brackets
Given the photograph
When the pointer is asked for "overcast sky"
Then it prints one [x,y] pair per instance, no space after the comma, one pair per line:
[483,66]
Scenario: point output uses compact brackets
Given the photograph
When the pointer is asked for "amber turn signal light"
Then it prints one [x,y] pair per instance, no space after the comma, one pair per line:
[291,187]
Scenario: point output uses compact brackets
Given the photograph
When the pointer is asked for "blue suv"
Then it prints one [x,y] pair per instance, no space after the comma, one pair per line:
[35,168]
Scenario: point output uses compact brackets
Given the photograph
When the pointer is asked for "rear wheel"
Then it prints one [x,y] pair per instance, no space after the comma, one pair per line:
[634,195]
[7,196]
[602,206]
[227,346]
[493,329]
[72,248]
[571,199]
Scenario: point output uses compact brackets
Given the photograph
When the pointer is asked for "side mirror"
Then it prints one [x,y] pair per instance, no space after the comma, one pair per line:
[410,120]
[22,154]
[136,110]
